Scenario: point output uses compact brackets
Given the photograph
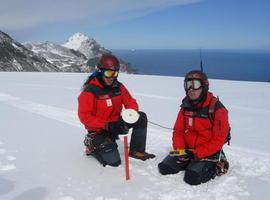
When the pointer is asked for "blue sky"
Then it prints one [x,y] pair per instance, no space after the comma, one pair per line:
[142,24]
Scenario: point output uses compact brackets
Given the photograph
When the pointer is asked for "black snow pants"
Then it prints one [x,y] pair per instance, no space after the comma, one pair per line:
[196,171]
[106,148]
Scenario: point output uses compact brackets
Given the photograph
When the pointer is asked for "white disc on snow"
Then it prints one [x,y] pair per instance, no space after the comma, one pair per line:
[130,116]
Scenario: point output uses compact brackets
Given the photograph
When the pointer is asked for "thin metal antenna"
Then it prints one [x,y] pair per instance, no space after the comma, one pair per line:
[201,64]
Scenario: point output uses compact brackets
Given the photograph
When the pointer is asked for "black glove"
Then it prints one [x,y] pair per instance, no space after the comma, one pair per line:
[187,156]
[117,128]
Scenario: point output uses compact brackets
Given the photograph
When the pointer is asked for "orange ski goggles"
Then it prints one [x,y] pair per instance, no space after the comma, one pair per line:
[110,73]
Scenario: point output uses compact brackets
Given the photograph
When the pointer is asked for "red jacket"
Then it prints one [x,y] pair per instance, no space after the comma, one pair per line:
[192,131]
[97,105]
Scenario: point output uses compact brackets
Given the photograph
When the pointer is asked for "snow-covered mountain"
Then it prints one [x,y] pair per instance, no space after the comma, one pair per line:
[15,57]
[65,59]
[88,46]
[78,54]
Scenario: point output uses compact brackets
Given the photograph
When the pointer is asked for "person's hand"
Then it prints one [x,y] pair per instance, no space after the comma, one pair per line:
[117,128]
[190,154]
[187,156]
[114,129]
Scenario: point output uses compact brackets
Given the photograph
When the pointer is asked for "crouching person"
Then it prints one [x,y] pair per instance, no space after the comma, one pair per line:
[200,131]
[99,107]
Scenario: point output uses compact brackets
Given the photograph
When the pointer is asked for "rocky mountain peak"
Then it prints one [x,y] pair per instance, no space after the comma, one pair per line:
[86,45]
[76,40]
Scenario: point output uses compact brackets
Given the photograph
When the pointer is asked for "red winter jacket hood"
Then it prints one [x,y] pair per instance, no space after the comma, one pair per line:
[98,105]
[192,131]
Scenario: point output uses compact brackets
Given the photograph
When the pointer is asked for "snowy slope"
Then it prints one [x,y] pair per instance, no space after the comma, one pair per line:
[41,151]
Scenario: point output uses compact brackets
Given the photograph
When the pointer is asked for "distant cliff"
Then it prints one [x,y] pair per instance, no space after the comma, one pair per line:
[15,57]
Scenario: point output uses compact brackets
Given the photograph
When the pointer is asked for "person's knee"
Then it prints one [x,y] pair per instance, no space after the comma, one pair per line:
[192,177]
[170,165]
[108,154]
[114,163]
[111,160]
[165,169]
[142,121]
[199,172]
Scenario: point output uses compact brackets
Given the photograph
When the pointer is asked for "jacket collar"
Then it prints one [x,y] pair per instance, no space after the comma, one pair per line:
[188,105]
[97,83]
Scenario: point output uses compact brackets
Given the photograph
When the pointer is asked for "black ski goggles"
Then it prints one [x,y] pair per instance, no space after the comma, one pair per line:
[194,84]
[110,73]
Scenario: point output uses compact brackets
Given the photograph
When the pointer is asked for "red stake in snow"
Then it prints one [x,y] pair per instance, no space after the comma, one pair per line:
[126,157]
[129,116]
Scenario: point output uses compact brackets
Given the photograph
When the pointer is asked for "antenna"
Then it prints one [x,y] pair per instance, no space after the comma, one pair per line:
[201,64]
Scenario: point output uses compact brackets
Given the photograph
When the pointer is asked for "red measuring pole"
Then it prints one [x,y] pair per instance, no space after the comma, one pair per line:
[126,157]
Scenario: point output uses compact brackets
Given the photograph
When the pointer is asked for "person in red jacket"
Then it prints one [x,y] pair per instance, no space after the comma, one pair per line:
[198,135]
[99,109]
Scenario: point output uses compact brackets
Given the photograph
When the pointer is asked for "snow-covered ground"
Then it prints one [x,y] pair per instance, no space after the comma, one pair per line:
[41,150]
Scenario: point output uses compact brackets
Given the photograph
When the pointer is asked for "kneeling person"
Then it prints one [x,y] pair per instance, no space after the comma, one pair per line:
[200,131]
[99,108]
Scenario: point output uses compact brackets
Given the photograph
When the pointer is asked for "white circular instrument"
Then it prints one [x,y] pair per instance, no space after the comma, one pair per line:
[130,116]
